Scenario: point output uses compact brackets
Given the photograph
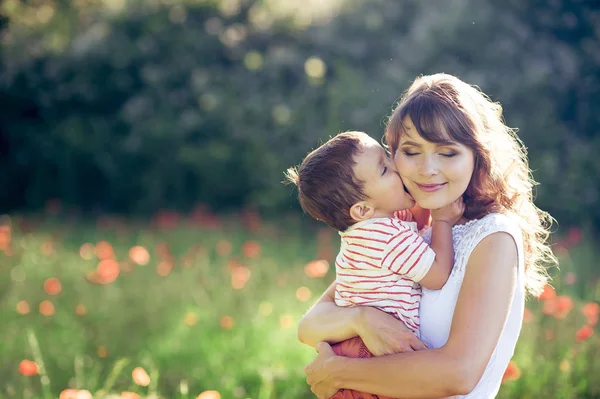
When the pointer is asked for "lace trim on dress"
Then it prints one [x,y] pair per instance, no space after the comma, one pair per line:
[465,238]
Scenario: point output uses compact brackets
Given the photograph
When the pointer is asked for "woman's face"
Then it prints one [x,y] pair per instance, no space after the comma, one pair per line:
[435,174]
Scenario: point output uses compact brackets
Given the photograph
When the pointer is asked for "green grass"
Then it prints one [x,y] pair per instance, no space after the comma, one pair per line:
[191,331]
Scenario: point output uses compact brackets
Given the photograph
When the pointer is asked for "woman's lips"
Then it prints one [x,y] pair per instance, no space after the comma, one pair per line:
[429,188]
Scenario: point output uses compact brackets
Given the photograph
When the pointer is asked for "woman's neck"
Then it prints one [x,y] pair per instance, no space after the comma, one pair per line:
[462,220]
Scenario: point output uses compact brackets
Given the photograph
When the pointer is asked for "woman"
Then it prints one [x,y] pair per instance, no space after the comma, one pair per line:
[448,140]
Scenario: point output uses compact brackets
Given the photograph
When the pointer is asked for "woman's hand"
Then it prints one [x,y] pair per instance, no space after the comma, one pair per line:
[318,374]
[383,334]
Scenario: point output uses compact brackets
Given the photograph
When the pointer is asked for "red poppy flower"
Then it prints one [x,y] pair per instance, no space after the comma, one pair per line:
[563,306]
[46,308]
[251,249]
[239,277]
[108,270]
[104,250]
[591,311]
[548,293]
[227,322]
[140,377]
[52,286]
[28,368]
[139,255]
[23,308]
[512,372]
[5,237]
[584,333]
[69,394]
[209,395]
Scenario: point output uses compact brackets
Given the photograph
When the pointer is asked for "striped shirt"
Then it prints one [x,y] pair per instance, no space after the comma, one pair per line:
[380,263]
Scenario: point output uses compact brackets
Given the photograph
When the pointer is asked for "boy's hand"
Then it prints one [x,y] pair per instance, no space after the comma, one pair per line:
[450,213]
[404,215]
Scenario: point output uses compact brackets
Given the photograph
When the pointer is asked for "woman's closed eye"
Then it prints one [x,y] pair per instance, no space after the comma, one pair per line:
[383,172]
[412,154]
[448,154]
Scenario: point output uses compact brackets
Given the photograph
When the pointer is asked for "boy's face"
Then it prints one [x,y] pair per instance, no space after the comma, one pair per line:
[382,183]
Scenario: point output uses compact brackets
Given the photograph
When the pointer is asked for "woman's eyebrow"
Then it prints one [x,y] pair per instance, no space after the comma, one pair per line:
[443,143]
[414,144]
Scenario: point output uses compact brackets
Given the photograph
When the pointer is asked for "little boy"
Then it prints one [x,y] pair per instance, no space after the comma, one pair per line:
[352,185]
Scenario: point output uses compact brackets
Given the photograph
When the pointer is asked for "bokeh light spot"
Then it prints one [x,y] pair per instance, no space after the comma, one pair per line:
[140,377]
[46,308]
[23,308]
[315,68]
[303,294]
[253,60]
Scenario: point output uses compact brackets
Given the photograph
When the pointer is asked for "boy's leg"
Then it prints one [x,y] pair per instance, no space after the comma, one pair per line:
[355,348]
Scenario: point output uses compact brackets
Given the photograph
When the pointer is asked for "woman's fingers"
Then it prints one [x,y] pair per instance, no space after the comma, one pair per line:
[310,375]
[322,391]
[417,345]
[323,347]
[317,375]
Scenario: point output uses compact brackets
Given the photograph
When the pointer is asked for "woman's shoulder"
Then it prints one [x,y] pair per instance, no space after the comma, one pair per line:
[472,233]
[494,221]
[491,223]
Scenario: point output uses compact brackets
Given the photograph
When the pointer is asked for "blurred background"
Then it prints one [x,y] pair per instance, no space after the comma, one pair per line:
[146,232]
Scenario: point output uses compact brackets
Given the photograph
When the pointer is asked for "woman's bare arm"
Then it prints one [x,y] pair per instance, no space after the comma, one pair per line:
[382,333]
[327,322]
[456,368]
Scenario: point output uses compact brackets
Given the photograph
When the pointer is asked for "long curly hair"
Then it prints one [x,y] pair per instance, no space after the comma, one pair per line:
[441,105]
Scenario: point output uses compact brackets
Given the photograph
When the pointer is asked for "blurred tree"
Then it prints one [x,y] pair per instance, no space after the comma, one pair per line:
[568,39]
[141,105]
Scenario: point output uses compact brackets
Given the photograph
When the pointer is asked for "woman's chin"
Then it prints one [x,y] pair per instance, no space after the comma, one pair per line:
[431,203]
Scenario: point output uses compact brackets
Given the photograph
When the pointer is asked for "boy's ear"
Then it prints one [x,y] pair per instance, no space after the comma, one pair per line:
[362,210]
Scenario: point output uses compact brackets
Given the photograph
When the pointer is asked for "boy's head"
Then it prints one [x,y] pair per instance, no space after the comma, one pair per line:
[348,179]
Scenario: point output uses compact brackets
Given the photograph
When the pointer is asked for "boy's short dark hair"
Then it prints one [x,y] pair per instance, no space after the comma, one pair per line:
[327,186]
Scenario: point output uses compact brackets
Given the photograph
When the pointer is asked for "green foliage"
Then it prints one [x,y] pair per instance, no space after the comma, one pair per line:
[197,327]
[155,104]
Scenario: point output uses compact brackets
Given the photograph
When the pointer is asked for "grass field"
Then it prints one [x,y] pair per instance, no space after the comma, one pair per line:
[202,307]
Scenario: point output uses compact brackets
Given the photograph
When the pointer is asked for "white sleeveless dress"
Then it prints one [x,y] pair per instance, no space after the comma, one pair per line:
[437,306]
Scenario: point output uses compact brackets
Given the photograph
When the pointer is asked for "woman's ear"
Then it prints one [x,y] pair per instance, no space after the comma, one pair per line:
[362,210]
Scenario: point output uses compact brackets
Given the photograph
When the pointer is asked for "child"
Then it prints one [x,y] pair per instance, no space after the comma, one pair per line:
[352,185]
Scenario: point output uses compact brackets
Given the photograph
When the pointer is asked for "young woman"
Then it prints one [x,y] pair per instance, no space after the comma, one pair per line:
[448,140]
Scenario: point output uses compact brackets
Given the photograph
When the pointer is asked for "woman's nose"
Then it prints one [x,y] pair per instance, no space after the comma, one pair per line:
[428,166]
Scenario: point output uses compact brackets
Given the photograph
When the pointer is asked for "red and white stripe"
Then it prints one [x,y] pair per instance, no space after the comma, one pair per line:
[379,264]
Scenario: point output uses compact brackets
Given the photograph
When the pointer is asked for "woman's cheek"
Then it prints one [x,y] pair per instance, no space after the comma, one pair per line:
[408,174]
[401,165]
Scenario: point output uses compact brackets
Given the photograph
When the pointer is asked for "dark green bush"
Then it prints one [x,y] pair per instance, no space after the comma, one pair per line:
[165,106]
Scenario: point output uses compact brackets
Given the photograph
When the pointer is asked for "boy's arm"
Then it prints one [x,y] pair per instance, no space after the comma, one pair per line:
[430,265]
[409,256]
[441,244]
[406,254]
[421,216]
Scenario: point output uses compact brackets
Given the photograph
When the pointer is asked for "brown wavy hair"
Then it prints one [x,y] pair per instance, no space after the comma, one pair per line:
[442,105]
[327,186]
